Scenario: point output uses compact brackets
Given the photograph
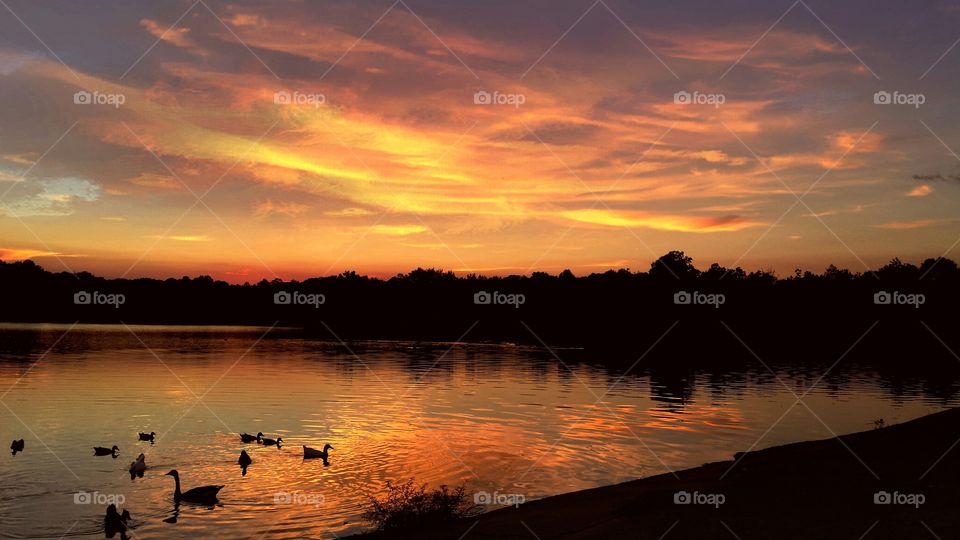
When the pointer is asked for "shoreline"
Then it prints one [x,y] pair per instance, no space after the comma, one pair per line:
[813,489]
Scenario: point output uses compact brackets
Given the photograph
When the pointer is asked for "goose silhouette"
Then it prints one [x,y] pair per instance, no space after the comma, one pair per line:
[115,522]
[147,436]
[244,461]
[16,446]
[101,451]
[313,453]
[137,467]
[199,495]
[272,442]
[250,438]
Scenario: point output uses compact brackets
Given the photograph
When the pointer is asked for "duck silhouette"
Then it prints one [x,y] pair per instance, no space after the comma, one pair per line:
[101,451]
[313,453]
[272,442]
[250,438]
[137,467]
[115,522]
[244,461]
[199,495]
[147,436]
[16,446]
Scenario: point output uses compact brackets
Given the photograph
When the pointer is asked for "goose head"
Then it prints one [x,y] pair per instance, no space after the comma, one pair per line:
[259,435]
[173,473]
[327,446]
[115,449]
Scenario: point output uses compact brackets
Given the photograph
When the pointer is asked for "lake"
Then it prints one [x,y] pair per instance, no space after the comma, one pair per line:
[501,419]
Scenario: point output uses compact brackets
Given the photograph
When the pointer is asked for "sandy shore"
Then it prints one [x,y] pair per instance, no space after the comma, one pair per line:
[808,490]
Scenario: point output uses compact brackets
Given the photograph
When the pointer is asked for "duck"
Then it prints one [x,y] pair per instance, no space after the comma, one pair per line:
[147,436]
[101,451]
[200,495]
[271,442]
[311,453]
[138,466]
[16,446]
[244,461]
[115,522]
[250,438]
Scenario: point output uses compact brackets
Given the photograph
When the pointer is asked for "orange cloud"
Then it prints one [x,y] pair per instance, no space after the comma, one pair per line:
[660,222]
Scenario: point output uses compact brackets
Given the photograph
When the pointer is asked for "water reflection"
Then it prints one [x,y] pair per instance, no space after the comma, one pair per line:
[505,419]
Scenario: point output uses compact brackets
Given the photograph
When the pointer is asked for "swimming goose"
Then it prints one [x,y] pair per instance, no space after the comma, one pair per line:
[200,495]
[101,451]
[311,453]
[271,442]
[244,461]
[16,446]
[250,438]
[138,466]
[147,436]
[115,522]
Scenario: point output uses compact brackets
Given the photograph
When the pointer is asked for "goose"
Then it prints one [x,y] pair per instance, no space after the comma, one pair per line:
[244,461]
[101,451]
[115,522]
[250,438]
[16,446]
[201,495]
[147,436]
[138,466]
[271,442]
[310,453]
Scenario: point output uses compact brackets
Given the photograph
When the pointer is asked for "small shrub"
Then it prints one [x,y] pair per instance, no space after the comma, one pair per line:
[408,505]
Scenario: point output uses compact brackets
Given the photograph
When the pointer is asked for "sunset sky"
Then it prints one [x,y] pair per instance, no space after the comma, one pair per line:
[385,161]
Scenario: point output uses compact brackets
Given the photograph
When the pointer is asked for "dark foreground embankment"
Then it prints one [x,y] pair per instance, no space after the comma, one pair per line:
[818,489]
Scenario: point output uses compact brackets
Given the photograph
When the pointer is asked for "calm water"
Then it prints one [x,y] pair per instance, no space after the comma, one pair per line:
[499,418]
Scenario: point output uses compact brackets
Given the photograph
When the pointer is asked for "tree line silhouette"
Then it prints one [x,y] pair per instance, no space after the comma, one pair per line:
[898,314]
